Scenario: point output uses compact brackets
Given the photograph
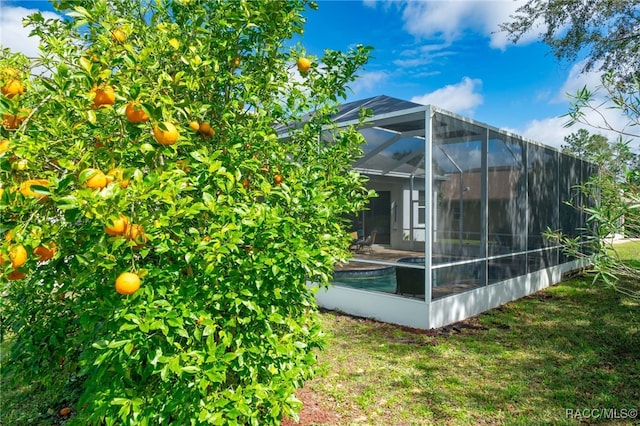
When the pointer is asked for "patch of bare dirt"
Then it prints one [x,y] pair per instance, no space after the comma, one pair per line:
[313,413]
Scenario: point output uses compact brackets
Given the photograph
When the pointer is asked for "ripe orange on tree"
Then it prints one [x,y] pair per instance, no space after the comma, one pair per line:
[135,114]
[127,283]
[165,133]
[25,187]
[11,121]
[17,255]
[95,178]
[118,35]
[303,64]
[103,96]
[16,275]
[194,126]
[117,175]
[12,88]
[45,252]
[117,226]
[65,411]
[206,130]
[135,233]
[278,179]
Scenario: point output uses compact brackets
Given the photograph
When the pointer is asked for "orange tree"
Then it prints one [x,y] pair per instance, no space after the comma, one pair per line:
[168,232]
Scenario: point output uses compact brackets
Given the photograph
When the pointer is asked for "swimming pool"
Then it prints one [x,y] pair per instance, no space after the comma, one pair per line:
[382,279]
[406,281]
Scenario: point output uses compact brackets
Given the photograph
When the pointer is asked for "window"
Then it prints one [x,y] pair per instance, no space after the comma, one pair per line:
[421,208]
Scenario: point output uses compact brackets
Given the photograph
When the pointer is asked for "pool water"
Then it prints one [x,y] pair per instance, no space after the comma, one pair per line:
[378,280]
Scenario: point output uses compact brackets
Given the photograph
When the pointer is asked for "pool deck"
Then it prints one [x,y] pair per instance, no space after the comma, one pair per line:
[380,254]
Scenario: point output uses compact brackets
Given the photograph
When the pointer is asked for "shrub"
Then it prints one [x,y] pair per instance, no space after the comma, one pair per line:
[223,227]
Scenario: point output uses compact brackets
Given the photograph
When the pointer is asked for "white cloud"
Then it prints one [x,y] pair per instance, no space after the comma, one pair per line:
[422,55]
[552,130]
[448,20]
[461,98]
[576,80]
[368,81]
[14,35]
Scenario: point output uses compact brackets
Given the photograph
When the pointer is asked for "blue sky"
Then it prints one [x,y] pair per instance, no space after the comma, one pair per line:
[446,53]
[496,83]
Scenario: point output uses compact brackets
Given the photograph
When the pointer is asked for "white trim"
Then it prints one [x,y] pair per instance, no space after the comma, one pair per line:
[379,306]
[464,305]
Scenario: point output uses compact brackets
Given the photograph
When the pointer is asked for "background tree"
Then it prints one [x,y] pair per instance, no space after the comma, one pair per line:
[612,202]
[590,147]
[606,33]
[158,233]
[612,158]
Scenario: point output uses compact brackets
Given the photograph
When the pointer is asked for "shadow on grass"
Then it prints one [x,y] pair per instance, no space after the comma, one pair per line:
[578,351]
[570,347]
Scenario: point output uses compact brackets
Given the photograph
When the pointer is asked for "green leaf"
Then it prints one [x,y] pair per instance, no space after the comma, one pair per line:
[147,147]
[127,326]
[208,199]
[101,344]
[174,322]
[190,369]
[85,63]
[118,343]
[174,365]
[156,358]
[197,156]
[91,117]
[164,372]
[120,401]
[134,91]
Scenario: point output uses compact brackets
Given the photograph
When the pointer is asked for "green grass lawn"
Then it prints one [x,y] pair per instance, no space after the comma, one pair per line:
[574,346]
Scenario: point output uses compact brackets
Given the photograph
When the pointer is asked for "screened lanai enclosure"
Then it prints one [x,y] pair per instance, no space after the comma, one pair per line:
[458,223]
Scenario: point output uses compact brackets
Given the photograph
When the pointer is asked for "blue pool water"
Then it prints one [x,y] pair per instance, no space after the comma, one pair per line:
[377,280]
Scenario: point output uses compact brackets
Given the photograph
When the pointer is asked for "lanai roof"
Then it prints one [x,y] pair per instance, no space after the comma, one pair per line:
[381,104]
[395,138]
